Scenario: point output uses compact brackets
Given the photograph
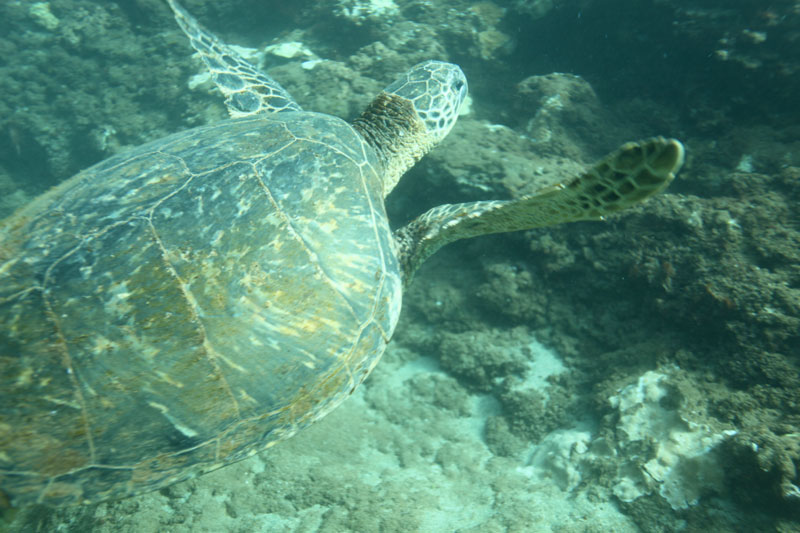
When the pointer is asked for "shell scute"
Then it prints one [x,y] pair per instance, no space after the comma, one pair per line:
[189,303]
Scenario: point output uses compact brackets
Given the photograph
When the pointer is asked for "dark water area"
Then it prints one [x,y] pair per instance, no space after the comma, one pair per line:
[635,374]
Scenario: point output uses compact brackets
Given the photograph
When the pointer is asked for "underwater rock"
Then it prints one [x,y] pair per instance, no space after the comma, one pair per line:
[564,116]
[560,456]
[761,458]
[490,42]
[361,10]
[511,291]
[663,447]
[40,11]
[290,50]
[535,8]
[480,359]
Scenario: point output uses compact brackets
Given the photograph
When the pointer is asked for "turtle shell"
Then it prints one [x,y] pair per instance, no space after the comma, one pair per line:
[188,304]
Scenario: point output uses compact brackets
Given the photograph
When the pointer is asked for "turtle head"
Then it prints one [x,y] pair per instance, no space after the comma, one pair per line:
[436,91]
[412,115]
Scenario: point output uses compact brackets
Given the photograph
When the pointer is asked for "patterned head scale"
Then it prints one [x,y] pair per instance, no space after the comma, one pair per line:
[436,89]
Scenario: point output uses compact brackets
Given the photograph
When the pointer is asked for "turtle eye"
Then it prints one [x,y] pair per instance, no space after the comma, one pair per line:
[459,85]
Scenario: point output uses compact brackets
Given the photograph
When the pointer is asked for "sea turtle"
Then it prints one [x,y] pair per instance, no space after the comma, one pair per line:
[195,300]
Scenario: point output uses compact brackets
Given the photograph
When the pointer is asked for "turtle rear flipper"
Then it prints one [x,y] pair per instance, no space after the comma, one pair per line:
[247,90]
[626,177]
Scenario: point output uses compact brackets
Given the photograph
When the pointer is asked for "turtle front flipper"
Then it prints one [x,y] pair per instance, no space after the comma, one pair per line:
[626,177]
[247,91]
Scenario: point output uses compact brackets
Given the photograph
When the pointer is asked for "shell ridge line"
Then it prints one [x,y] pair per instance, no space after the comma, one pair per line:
[62,342]
[67,361]
[374,226]
[302,242]
[129,467]
[211,353]
[318,266]
[84,240]
[362,325]
[50,481]
[21,294]
[192,134]
[70,369]
[264,157]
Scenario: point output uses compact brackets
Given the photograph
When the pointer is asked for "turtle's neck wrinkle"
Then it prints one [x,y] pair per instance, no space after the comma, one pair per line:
[391,126]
